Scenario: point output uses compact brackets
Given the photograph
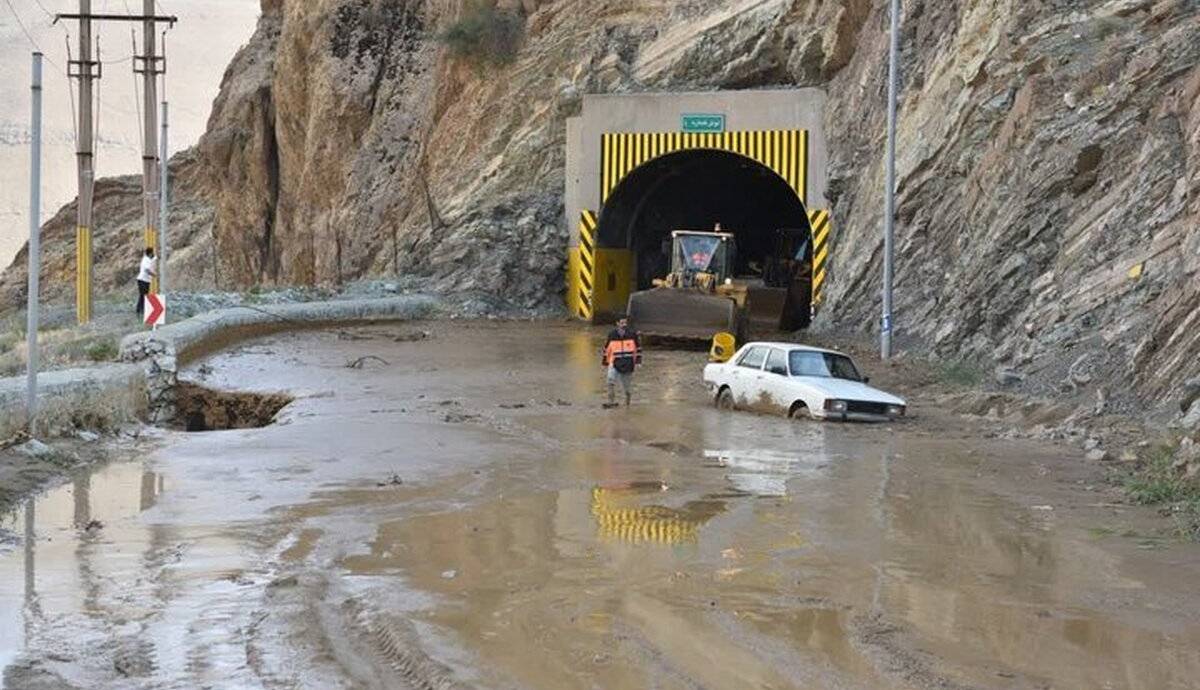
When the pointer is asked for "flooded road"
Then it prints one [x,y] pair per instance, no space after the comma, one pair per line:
[457,511]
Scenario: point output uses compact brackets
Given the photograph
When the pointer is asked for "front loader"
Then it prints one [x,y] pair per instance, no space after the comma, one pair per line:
[701,296]
[698,298]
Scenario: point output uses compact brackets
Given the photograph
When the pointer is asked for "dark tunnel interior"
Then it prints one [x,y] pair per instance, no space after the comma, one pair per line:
[695,190]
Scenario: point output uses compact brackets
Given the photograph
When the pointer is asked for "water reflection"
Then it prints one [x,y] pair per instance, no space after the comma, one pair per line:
[759,472]
[620,515]
[59,559]
[30,592]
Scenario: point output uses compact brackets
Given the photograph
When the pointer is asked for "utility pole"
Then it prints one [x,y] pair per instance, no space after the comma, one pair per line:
[151,67]
[162,204]
[885,329]
[35,247]
[85,70]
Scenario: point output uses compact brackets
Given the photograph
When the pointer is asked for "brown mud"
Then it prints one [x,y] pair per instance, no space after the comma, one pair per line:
[200,408]
[458,512]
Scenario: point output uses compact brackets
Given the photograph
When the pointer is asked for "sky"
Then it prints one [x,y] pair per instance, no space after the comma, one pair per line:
[199,48]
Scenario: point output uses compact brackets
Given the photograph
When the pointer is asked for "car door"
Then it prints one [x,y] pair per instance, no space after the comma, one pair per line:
[775,380]
[747,376]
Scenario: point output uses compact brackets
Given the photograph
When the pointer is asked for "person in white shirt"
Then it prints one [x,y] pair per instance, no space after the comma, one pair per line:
[146,273]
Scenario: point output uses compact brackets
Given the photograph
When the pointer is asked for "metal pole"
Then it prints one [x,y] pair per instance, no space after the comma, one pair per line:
[87,175]
[35,248]
[162,205]
[150,144]
[885,329]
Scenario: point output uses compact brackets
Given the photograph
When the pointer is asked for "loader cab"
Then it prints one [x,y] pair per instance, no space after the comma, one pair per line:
[695,254]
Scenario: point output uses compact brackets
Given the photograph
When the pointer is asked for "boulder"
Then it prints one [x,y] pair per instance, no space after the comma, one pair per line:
[34,448]
[1186,460]
[1007,376]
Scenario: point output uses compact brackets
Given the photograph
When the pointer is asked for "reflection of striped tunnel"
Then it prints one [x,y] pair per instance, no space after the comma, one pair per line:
[819,221]
[658,524]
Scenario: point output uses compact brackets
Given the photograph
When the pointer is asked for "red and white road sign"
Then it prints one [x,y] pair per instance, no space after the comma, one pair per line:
[156,309]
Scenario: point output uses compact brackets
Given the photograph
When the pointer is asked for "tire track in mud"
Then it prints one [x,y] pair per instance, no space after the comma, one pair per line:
[380,650]
[882,643]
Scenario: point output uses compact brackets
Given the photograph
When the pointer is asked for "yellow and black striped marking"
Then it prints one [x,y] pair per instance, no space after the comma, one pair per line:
[783,151]
[819,221]
[152,241]
[83,274]
[587,263]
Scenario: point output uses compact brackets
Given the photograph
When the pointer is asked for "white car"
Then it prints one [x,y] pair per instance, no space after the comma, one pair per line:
[799,381]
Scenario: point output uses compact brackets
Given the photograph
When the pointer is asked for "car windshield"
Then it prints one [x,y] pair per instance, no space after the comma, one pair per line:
[697,252]
[826,364]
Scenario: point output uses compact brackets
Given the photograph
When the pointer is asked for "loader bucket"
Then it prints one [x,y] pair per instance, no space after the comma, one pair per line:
[682,315]
[766,306]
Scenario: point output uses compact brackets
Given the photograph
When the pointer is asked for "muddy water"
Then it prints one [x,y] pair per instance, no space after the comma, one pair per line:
[460,513]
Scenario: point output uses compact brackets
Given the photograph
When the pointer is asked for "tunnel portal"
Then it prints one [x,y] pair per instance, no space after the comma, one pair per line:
[640,165]
[699,190]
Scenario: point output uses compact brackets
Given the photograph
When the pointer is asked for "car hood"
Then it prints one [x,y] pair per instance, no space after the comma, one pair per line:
[844,389]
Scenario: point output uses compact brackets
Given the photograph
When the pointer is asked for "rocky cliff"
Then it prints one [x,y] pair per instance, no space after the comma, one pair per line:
[1049,169]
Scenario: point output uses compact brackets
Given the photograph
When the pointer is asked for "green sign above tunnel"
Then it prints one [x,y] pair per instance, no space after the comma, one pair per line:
[702,122]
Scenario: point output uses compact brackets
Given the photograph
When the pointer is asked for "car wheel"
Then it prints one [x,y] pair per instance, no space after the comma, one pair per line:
[724,399]
[799,411]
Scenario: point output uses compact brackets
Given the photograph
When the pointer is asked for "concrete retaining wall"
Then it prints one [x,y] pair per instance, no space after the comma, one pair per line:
[143,387]
[93,398]
[164,350]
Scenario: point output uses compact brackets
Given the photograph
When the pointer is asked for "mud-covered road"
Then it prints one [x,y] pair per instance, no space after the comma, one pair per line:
[457,511]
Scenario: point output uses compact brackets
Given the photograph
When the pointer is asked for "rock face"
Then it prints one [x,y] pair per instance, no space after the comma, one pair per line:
[117,242]
[1049,162]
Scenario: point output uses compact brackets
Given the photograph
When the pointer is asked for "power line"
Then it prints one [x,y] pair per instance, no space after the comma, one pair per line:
[163,92]
[96,110]
[136,105]
[29,36]
[71,93]
[48,12]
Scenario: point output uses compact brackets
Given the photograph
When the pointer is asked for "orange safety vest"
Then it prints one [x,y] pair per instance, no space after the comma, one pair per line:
[616,349]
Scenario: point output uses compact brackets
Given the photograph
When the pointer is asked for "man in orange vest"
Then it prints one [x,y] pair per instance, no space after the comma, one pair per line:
[622,354]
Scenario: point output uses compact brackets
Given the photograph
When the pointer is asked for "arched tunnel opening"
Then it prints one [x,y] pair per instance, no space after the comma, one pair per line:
[700,189]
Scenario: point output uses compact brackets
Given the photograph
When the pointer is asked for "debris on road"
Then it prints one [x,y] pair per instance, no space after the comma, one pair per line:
[394,480]
[286,581]
[412,337]
[458,417]
[361,362]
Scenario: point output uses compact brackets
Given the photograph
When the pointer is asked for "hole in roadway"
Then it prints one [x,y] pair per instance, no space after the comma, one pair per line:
[203,409]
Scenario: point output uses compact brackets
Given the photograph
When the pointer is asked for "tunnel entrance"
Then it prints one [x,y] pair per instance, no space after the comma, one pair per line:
[699,189]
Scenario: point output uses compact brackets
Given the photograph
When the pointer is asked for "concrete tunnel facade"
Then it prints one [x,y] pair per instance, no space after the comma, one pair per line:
[641,165]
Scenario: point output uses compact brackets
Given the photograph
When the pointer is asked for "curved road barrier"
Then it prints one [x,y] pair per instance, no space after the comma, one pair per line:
[165,349]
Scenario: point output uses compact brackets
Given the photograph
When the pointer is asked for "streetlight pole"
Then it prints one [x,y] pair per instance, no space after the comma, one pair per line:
[885,327]
[35,247]
[162,204]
